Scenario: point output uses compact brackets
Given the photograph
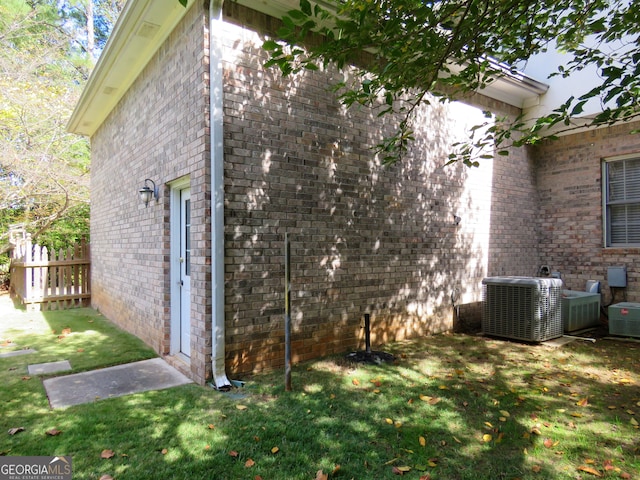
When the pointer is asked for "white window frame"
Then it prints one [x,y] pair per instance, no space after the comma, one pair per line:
[607,204]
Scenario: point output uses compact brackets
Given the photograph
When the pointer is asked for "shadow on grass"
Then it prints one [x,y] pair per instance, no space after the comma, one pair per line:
[453,407]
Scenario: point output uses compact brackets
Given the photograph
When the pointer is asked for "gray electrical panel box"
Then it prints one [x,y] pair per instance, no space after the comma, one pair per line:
[617,277]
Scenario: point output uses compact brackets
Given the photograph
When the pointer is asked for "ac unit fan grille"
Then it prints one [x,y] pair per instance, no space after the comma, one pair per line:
[522,310]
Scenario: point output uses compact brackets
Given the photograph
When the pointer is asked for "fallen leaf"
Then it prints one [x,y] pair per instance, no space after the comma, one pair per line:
[486,438]
[53,432]
[26,377]
[591,470]
[275,450]
[504,413]
[633,421]
[107,454]
[241,407]
[355,381]
[625,476]
[536,468]
[257,477]
[249,463]
[583,403]
[211,426]
[401,470]
[321,475]
[14,430]
[164,451]
[106,477]
[233,453]
[425,477]
[548,443]
[456,440]
[80,350]
[389,421]
[422,441]
[335,470]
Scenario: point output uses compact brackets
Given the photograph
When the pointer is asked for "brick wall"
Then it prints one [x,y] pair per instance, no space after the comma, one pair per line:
[157,131]
[569,180]
[365,238]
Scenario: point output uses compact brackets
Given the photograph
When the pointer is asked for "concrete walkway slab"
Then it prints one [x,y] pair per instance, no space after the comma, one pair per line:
[50,367]
[16,353]
[154,374]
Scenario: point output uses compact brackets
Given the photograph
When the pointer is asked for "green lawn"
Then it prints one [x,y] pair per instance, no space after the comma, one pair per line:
[451,407]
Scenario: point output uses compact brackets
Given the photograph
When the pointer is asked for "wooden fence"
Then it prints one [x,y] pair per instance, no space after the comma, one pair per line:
[44,280]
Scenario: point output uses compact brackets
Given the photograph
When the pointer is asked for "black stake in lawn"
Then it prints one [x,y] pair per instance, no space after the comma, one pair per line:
[368,355]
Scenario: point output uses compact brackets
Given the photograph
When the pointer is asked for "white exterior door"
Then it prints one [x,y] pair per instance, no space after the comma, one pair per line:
[185,272]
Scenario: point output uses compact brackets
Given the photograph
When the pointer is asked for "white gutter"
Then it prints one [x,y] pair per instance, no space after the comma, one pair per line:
[220,380]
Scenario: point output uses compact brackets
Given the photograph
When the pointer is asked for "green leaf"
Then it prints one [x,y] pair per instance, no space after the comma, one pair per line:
[297,15]
[305,6]
[270,45]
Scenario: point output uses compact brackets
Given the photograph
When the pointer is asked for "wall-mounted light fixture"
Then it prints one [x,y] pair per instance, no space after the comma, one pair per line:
[146,193]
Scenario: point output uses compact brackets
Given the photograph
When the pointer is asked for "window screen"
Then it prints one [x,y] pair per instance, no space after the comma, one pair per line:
[622,202]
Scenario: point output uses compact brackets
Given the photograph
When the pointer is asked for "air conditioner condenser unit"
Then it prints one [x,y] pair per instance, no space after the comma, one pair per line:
[522,308]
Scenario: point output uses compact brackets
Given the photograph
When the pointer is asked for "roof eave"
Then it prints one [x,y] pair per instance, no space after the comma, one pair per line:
[141,28]
[144,25]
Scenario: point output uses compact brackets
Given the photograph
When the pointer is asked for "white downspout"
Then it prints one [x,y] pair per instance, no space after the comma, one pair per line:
[220,380]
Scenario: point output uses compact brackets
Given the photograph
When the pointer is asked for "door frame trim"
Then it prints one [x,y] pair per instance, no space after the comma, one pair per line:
[174,263]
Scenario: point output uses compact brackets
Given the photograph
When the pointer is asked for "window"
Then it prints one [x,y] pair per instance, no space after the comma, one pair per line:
[622,201]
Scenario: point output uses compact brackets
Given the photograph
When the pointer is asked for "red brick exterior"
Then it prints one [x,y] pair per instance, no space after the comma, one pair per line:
[365,238]
[569,182]
[159,131]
